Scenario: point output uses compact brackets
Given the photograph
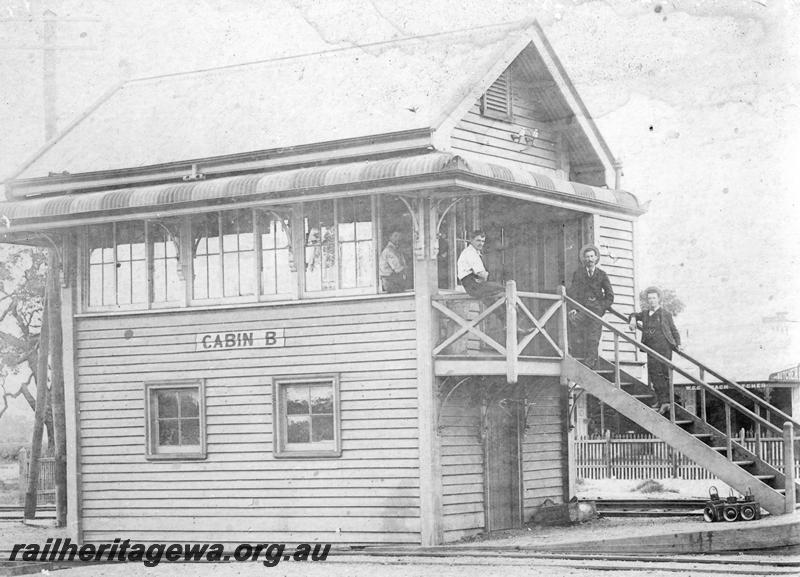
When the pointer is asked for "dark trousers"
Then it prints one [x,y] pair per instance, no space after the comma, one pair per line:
[488,292]
[394,283]
[658,373]
[584,337]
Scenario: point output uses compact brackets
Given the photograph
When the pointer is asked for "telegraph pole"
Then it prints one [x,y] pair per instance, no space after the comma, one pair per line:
[47,23]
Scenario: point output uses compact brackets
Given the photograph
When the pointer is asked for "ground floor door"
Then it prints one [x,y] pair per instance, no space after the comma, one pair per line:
[502,471]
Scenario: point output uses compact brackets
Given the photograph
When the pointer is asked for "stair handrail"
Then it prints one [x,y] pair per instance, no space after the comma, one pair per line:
[726,399]
[730,382]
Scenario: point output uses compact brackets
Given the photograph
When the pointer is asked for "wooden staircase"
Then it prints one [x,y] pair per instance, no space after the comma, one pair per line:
[689,436]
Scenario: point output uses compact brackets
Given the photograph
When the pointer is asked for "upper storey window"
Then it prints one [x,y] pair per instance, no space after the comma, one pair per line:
[117,261]
[313,249]
[496,102]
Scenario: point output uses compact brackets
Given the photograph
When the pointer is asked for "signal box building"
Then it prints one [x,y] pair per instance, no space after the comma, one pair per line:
[234,372]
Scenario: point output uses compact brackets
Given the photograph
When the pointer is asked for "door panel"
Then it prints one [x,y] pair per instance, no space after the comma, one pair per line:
[503,466]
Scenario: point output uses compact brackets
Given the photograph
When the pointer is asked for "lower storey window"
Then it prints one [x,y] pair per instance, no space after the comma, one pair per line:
[307,417]
[176,420]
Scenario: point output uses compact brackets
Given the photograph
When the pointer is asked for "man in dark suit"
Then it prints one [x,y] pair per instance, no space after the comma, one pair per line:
[591,288]
[660,334]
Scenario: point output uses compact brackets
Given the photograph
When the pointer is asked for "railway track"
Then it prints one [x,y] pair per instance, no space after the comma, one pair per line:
[15,512]
[650,507]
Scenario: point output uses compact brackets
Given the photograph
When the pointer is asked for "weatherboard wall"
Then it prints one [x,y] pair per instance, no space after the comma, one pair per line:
[241,492]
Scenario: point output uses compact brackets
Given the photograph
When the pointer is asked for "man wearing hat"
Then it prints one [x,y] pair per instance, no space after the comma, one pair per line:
[660,334]
[591,288]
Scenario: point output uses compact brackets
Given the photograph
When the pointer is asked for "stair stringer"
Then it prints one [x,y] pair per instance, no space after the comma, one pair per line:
[672,435]
[761,466]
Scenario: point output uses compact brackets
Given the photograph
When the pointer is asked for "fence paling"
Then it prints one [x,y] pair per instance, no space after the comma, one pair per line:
[46,491]
[642,457]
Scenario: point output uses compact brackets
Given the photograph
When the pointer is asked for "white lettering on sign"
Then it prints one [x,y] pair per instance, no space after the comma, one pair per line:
[257,339]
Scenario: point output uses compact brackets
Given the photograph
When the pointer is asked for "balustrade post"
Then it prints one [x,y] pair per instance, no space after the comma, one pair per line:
[759,449]
[788,467]
[703,413]
[671,394]
[562,291]
[617,380]
[728,432]
[512,353]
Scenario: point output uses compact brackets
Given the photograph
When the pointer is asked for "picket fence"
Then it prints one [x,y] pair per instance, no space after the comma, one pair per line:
[46,492]
[644,457]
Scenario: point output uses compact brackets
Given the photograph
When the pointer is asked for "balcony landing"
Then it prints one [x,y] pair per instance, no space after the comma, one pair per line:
[458,365]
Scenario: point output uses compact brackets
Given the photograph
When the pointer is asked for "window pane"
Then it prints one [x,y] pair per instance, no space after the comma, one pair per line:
[296,399]
[366,263]
[124,283]
[205,263]
[190,431]
[167,402]
[168,432]
[276,277]
[166,284]
[189,403]
[237,246]
[139,277]
[95,285]
[298,430]
[321,399]
[109,291]
[347,275]
[322,428]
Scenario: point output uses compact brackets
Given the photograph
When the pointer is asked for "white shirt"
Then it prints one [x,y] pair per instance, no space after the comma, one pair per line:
[469,262]
[391,260]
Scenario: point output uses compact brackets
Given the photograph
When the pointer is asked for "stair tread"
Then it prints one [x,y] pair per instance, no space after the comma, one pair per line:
[743,463]
[763,477]
[704,435]
[680,422]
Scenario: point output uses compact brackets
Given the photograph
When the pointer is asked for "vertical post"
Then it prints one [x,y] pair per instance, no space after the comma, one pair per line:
[671,395]
[703,412]
[22,461]
[759,449]
[607,453]
[57,389]
[512,354]
[41,409]
[68,296]
[602,416]
[788,466]
[429,470]
[728,431]
[562,290]
[617,381]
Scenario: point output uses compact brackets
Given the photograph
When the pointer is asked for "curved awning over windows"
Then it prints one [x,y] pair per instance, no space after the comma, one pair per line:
[370,176]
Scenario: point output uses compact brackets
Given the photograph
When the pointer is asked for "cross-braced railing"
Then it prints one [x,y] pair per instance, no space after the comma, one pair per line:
[523,327]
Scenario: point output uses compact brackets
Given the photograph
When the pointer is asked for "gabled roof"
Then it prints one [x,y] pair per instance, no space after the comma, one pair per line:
[422,83]
[327,96]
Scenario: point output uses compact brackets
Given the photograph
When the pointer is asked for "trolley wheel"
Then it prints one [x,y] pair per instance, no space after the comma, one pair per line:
[747,512]
[708,514]
[730,513]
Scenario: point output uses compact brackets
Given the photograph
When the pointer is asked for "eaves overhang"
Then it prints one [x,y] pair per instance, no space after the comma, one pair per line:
[405,175]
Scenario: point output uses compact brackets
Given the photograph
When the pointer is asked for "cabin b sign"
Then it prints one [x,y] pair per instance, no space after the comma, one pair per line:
[258,339]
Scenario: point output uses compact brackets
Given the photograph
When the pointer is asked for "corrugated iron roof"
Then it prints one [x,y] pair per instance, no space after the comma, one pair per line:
[293,183]
[385,88]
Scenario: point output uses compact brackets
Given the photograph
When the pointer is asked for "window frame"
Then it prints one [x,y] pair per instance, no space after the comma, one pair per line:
[151,439]
[374,288]
[279,449]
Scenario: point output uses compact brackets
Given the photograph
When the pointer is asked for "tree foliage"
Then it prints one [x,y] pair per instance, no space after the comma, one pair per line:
[23,274]
[669,300]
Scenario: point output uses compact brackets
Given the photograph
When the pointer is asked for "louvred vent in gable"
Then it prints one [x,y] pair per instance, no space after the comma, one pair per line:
[496,102]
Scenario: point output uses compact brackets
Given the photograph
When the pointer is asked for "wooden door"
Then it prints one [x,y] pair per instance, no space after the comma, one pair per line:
[502,472]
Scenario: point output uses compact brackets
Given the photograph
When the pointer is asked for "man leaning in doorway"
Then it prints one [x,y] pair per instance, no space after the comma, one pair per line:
[392,265]
[474,277]
[591,288]
[660,334]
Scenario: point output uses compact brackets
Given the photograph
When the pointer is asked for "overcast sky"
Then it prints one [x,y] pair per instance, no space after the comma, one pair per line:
[699,99]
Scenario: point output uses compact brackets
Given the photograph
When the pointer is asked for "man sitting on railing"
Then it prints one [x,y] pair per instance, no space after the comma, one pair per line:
[660,334]
[591,288]
[474,277]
